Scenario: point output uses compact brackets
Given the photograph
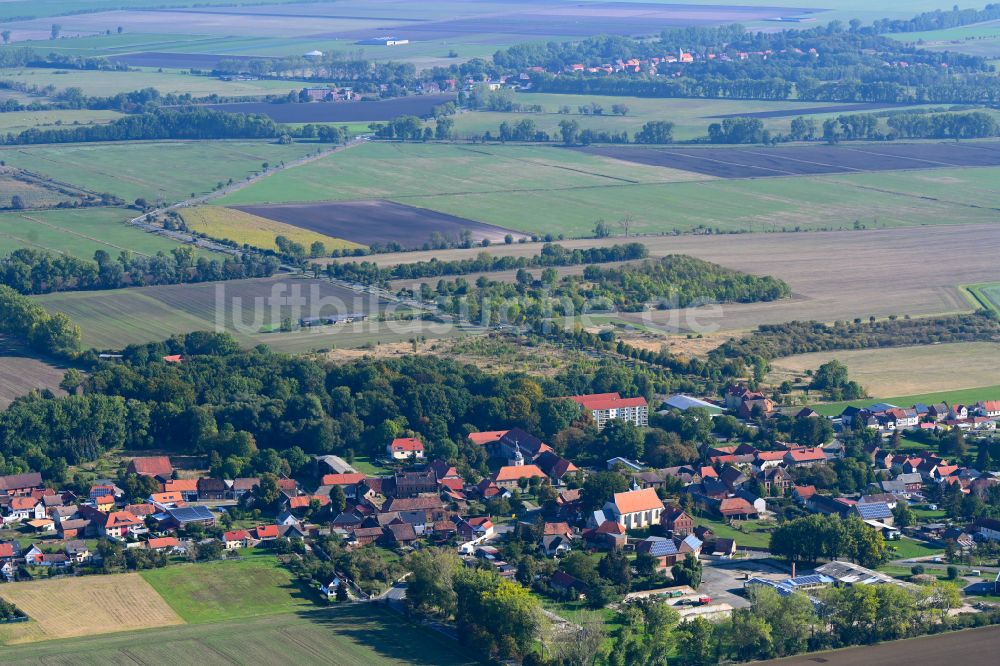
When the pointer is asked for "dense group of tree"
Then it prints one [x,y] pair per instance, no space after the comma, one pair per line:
[938,19]
[829,63]
[27,322]
[9,611]
[253,407]
[183,123]
[345,68]
[32,271]
[674,281]
[551,254]
[27,57]
[828,537]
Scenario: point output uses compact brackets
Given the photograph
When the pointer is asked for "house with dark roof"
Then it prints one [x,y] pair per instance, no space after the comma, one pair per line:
[212,489]
[399,534]
[876,511]
[555,466]
[14,485]
[677,520]
[411,483]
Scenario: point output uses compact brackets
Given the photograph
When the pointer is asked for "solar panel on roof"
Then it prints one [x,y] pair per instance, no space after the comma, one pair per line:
[874,511]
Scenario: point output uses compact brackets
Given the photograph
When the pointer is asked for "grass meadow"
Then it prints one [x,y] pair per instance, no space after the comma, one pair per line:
[226,590]
[80,232]
[19,121]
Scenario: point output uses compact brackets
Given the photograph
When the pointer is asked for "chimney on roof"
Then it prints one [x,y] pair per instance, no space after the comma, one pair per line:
[793,569]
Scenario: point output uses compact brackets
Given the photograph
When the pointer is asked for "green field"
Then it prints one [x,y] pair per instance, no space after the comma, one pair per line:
[906,548]
[547,189]
[171,170]
[115,318]
[985,295]
[691,117]
[255,585]
[355,635]
[80,232]
[962,396]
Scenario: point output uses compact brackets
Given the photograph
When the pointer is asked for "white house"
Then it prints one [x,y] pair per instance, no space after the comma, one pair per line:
[24,509]
[404,448]
[635,509]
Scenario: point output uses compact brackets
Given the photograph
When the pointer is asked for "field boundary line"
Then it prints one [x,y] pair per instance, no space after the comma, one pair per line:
[79,235]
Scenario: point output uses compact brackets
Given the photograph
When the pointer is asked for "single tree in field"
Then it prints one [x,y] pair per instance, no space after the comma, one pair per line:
[120,30]
[56,29]
[16,202]
[626,223]
[6,36]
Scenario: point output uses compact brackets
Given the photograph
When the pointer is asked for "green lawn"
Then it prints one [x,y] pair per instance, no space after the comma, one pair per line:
[754,534]
[984,295]
[171,170]
[961,396]
[18,121]
[906,548]
[212,592]
[364,465]
[80,232]
[354,635]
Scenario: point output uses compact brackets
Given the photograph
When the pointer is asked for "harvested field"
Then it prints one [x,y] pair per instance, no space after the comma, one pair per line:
[340,112]
[735,162]
[376,222]
[975,645]
[21,372]
[244,228]
[352,635]
[905,370]
[85,606]
[833,275]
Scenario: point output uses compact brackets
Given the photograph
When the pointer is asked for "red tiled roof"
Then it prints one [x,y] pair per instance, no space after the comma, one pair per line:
[6,550]
[487,437]
[173,358]
[735,505]
[23,503]
[803,455]
[287,484]
[302,501]
[515,472]
[266,531]
[707,471]
[181,485]
[236,535]
[452,484]
[121,519]
[638,500]
[805,492]
[166,498]
[602,401]
[162,542]
[152,466]
[766,456]
[140,510]
[341,479]
[406,444]
[610,527]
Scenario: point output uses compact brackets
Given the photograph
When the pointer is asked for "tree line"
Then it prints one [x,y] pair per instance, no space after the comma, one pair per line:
[551,254]
[30,271]
[186,123]
[938,19]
